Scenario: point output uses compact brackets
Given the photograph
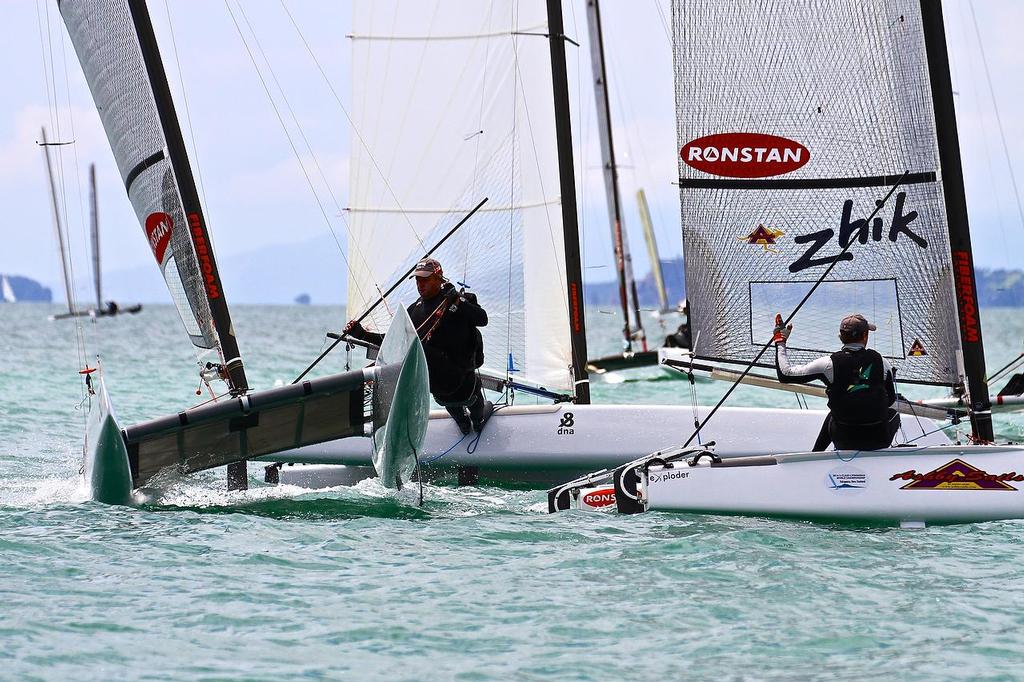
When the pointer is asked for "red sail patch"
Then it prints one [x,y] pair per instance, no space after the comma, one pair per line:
[158,231]
[744,155]
[957,475]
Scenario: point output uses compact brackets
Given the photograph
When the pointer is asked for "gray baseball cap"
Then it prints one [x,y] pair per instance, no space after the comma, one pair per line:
[426,268]
[856,325]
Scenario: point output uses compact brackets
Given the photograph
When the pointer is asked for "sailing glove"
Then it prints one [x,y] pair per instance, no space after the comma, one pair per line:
[781,332]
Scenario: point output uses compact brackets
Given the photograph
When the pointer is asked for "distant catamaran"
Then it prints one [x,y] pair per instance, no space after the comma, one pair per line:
[103,308]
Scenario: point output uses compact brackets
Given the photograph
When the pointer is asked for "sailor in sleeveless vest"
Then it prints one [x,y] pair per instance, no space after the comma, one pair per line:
[859,383]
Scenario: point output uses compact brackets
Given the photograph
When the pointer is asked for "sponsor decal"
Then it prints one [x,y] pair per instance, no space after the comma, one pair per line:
[957,475]
[764,237]
[567,424]
[205,257]
[158,232]
[744,155]
[846,479]
[602,497]
[863,375]
[962,277]
[859,229]
[667,475]
[917,349]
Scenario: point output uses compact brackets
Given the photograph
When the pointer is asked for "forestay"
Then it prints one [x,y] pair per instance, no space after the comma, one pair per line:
[793,119]
[104,36]
[452,103]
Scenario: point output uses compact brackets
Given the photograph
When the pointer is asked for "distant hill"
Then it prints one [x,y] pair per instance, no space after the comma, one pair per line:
[28,290]
[1002,288]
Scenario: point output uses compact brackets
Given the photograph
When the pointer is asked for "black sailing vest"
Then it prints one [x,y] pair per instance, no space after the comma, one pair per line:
[857,394]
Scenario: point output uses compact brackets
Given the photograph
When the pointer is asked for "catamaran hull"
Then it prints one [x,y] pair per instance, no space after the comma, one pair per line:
[545,444]
[106,470]
[910,486]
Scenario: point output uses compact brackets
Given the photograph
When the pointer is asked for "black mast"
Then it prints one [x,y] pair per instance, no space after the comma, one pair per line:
[623,258]
[178,157]
[567,183]
[956,215]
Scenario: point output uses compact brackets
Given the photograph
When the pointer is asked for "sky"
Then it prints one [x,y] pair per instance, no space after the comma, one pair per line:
[256,195]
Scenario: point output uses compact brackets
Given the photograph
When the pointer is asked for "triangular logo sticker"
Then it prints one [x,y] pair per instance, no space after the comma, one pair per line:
[957,475]
[763,236]
[917,349]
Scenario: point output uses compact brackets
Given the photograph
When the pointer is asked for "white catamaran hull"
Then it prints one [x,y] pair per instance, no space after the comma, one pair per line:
[939,484]
[547,443]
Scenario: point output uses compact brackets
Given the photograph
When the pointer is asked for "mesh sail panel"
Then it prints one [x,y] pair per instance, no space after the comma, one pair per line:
[792,120]
[452,103]
[104,39]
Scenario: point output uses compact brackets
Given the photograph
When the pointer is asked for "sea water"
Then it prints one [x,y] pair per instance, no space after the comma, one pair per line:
[478,583]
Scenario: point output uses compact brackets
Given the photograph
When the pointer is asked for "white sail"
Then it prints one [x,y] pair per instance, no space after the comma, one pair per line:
[792,121]
[7,291]
[453,103]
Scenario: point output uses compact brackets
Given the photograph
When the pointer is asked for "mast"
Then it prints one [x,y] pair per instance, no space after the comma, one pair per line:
[178,157]
[620,241]
[95,226]
[964,283]
[57,224]
[567,184]
[652,250]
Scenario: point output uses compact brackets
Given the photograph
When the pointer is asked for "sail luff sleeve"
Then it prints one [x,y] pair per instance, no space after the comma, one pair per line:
[58,225]
[964,282]
[567,183]
[189,195]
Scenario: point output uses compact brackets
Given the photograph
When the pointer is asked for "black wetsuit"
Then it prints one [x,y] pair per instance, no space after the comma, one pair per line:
[861,396]
[449,330]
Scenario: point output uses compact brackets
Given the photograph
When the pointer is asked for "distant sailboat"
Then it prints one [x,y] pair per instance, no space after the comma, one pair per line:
[102,309]
[7,291]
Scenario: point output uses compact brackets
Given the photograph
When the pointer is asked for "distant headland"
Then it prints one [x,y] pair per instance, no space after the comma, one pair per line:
[24,290]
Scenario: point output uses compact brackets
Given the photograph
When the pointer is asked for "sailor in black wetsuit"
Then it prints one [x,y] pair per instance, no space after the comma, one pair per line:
[860,385]
[447,321]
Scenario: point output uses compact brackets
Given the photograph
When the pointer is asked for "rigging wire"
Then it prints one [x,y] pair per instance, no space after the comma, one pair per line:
[351,122]
[288,135]
[995,108]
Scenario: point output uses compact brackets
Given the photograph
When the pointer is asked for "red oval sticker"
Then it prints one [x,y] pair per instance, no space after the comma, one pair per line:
[744,155]
[158,232]
[600,498]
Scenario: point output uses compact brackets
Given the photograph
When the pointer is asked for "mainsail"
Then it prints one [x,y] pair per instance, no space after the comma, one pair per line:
[793,119]
[453,103]
[117,49]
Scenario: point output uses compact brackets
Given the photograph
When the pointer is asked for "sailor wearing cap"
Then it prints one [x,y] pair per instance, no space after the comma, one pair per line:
[859,382]
[447,321]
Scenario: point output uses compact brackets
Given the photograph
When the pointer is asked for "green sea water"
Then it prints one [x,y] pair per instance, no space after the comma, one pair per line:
[478,584]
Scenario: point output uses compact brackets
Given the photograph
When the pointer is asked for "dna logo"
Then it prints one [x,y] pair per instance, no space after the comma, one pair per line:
[565,426]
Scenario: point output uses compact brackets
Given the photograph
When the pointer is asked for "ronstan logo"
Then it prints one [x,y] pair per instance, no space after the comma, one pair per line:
[917,349]
[603,497]
[744,155]
[158,231]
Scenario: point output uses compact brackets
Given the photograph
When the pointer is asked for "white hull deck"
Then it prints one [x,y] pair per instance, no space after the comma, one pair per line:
[906,486]
[546,444]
